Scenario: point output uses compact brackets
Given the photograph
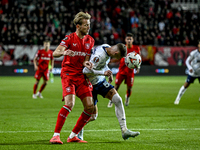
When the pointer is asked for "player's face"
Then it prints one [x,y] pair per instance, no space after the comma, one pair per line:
[84,27]
[117,55]
[46,45]
[129,40]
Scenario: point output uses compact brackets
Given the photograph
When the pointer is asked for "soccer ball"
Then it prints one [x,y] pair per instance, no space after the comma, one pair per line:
[133,60]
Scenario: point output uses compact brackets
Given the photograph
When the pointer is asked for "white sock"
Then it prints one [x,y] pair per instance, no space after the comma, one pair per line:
[181,91]
[72,135]
[56,134]
[119,111]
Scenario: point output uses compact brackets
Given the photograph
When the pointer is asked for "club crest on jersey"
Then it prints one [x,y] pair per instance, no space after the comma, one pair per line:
[87,45]
[68,89]
[96,59]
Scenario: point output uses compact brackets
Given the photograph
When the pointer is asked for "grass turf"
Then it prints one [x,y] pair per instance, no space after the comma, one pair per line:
[28,123]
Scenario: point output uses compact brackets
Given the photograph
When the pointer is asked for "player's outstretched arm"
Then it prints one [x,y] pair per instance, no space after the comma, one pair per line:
[188,63]
[110,78]
[60,51]
[35,63]
[87,63]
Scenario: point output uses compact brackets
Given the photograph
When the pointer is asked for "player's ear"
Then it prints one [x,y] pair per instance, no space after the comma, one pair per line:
[77,26]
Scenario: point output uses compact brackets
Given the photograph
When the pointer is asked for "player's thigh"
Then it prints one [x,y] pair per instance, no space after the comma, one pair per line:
[38,75]
[46,75]
[111,93]
[119,78]
[83,88]
[67,86]
[129,81]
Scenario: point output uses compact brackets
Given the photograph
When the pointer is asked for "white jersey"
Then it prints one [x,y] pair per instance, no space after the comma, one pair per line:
[100,60]
[193,62]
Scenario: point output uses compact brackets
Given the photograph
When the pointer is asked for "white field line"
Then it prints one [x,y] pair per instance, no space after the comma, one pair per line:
[173,129]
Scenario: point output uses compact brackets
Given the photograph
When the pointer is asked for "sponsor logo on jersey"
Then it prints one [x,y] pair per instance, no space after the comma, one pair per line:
[80,54]
[45,58]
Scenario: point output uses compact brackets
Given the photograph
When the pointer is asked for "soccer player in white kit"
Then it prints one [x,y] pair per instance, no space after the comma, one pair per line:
[193,65]
[100,58]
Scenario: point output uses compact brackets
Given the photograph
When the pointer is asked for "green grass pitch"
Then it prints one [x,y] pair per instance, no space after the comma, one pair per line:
[27,123]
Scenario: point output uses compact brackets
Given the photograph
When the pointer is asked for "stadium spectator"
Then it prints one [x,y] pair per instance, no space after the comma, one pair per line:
[78,45]
[137,17]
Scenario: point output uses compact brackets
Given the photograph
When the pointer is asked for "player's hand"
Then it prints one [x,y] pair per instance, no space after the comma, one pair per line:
[108,73]
[110,79]
[69,53]
[88,64]
[36,68]
[138,70]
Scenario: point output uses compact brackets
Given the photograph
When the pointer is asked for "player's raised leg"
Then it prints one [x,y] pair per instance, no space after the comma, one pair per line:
[120,113]
[183,89]
[180,94]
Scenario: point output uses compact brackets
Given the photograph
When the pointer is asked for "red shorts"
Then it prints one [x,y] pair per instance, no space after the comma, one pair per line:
[129,79]
[77,85]
[42,73]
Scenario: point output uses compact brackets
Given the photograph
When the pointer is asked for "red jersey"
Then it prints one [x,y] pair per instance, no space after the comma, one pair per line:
[43,59]
[81,47]
[123,69]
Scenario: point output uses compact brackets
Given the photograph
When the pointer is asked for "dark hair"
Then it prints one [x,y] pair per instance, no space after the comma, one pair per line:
[129,35]
[46,41]
[122,48]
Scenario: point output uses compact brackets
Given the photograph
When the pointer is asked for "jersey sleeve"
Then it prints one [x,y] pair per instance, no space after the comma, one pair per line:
[66,41]
[189,59]
[97,69]
[89,52]
[96,60]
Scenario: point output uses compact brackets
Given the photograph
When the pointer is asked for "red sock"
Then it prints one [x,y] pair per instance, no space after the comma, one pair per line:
[128,93]
[35,88]
[42,87]
[82,120]
[62,115]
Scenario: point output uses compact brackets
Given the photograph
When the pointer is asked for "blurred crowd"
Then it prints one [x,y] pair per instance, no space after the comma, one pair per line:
[153,22]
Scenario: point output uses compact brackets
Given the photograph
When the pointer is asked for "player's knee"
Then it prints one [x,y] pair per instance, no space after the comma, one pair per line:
[93,117]
[116,99]
[89,108]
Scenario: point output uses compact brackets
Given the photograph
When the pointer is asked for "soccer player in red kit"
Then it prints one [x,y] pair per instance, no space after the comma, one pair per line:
[41,63]
[76,49]
[124,72]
